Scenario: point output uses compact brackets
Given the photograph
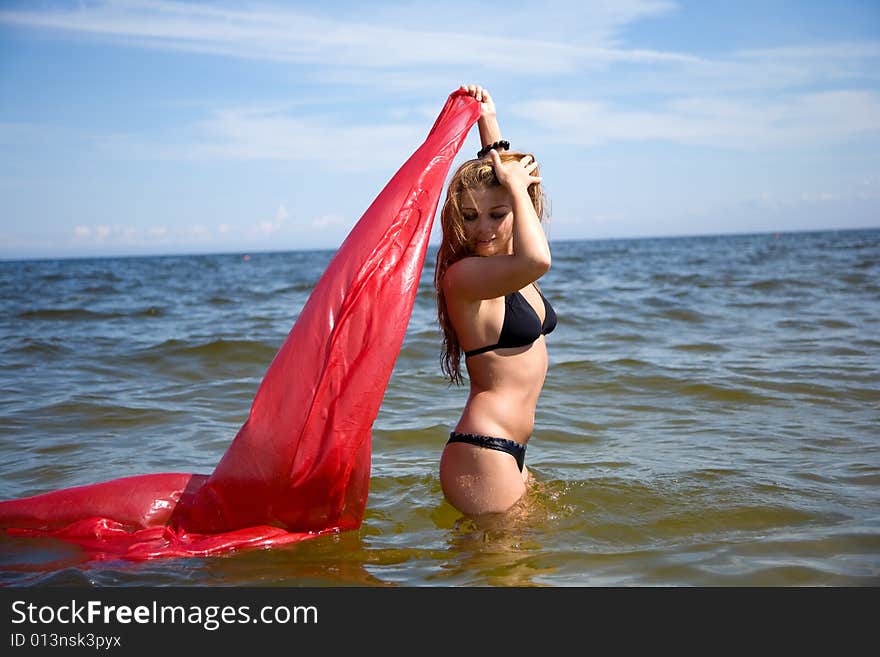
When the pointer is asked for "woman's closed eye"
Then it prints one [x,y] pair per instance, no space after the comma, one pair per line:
[496,216]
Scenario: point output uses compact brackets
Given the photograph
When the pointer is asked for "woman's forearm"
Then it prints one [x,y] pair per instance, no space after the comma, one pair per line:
[529,239]
[490,132]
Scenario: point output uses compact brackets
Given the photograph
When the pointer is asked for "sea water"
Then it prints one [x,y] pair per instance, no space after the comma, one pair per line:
[711,415]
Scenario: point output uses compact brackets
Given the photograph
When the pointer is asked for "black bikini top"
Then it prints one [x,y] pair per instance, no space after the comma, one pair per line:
[521,326]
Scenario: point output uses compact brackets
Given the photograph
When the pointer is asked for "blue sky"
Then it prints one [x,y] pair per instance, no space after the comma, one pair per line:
[149,127]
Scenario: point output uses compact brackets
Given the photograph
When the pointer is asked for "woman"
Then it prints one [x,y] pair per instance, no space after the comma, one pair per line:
[493,250]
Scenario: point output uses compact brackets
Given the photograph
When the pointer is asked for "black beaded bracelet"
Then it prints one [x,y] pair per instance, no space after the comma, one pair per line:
[488,147]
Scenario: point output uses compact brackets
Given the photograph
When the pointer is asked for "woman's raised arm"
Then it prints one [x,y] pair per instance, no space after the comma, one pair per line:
[487,124]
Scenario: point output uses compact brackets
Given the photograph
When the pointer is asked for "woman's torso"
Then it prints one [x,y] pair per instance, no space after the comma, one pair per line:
[505,382]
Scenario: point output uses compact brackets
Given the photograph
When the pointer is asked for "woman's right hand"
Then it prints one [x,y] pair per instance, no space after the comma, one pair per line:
[515,174]
[487,105]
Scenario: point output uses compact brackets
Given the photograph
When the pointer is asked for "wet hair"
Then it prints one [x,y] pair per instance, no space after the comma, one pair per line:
[473,174]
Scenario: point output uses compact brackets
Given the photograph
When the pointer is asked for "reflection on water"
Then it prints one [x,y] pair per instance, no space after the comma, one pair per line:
[335,560]
[502,549]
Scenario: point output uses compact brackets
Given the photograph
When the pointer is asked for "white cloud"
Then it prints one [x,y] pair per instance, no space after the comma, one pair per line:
[199,232]
[586,36]
[740,101]
[246,134]
[269,227]
[129,235]
[756,73]
[800,120]
[787,67]
[265,232]
[329,221]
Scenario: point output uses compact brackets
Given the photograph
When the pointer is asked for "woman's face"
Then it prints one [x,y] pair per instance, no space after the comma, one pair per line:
[487,213]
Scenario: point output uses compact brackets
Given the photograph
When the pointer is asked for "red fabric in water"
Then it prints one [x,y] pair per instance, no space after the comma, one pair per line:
[300,465]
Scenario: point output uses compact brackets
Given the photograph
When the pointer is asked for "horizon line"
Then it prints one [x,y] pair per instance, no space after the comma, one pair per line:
[193,254]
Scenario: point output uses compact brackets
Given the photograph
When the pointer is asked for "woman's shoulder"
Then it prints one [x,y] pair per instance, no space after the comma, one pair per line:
[457,274]
[477,278]
[463,263]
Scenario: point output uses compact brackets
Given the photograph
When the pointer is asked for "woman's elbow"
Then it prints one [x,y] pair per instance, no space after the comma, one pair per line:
[541,264]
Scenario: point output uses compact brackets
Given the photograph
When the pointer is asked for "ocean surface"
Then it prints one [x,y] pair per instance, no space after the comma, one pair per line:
[711,415]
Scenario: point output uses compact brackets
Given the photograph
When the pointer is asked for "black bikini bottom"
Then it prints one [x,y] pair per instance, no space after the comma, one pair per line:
[515,449]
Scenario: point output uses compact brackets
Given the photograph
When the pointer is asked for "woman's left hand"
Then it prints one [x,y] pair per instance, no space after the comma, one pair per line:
[487,105]
[515,174]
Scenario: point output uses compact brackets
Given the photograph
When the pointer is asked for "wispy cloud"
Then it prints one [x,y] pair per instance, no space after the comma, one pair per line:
[268,227]
[774,69]
[336,221]
[310,38]
[280,229]
[732,107]
[756,74]
[258,134]
[122,234]
[801,120]
[270,133]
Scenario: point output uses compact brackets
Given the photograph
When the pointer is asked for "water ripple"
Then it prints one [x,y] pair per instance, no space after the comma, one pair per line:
[709,418]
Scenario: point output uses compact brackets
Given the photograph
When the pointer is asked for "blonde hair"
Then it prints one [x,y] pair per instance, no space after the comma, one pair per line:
[473,174]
